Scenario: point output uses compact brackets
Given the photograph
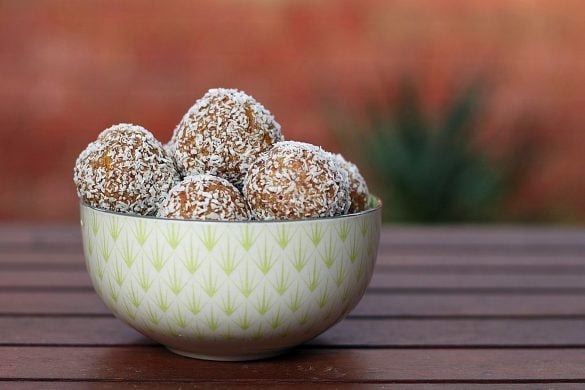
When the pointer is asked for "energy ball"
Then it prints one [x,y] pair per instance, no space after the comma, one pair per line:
[169,147]
[296,180]
[205,197]
[358,189]
[222,134]
[125,170]
[124,131]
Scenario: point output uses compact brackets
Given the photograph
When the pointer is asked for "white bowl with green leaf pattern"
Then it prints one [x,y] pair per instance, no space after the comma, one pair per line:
[230,290]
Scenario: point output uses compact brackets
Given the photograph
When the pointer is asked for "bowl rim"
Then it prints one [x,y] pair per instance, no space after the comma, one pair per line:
[373,200]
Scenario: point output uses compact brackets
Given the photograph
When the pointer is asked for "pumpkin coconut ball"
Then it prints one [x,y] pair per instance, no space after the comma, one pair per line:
[222,134]
[205,197]
[227,141]
[358,189]
[125,170]
[296,180]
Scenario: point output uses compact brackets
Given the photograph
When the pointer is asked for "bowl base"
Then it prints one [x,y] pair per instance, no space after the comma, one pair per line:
[227,358]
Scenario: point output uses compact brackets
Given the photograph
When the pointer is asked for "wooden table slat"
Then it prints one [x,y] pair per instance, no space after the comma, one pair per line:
[374,305]
[350,333]
[468,259]
[449,307]
[417,258]
[52,235]
[221,385]
[301,365]
[51,279]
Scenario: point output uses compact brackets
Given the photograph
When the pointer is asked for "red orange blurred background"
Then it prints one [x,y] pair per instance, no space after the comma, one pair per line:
[72,68]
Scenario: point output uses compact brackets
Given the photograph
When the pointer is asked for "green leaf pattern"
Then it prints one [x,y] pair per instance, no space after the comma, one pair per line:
[194,282]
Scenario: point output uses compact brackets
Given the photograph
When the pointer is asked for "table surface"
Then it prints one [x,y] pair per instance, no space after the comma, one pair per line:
[448,307]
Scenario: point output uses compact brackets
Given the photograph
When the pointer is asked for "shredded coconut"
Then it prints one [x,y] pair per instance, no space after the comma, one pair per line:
[358,189]
[126,170]
[205,197]
[222,134]
[296,180]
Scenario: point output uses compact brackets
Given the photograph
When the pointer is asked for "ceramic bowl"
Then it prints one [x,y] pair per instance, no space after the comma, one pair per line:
[230,290]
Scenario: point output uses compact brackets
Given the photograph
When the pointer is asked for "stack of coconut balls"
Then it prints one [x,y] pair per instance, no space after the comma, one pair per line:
[227,160]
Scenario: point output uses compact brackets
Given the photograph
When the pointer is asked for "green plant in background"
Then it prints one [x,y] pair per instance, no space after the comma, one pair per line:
[430,170]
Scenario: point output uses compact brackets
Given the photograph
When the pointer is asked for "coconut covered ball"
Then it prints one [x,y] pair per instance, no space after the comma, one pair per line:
[358,189]
[169,147]
[125,170]
[222,134]
[295,180]
[205,197]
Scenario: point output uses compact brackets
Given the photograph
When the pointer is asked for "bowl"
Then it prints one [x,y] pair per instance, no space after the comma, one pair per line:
[230,291]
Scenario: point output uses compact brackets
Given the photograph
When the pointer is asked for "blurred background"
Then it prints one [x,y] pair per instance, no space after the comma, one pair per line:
[455,110]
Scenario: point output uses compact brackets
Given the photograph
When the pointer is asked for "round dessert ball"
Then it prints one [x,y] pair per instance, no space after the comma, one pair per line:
[205,197]
[222,134]
[296,180]
[358,189]
[126,131]
[125,170]
[169,147]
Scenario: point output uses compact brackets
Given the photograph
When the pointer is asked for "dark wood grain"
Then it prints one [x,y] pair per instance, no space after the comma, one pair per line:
[492,236]
[369,333]
[421,239]
[391,234]
[300,366]
[470,305]
[41,260]
[465,280]
[394,281]
[397,305]
[44,278]
[387,257]
[28,258]
[219,385]
[448,308]
[51,302]
[39,236]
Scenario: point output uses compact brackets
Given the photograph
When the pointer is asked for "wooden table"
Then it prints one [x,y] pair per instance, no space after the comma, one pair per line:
[447,308]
